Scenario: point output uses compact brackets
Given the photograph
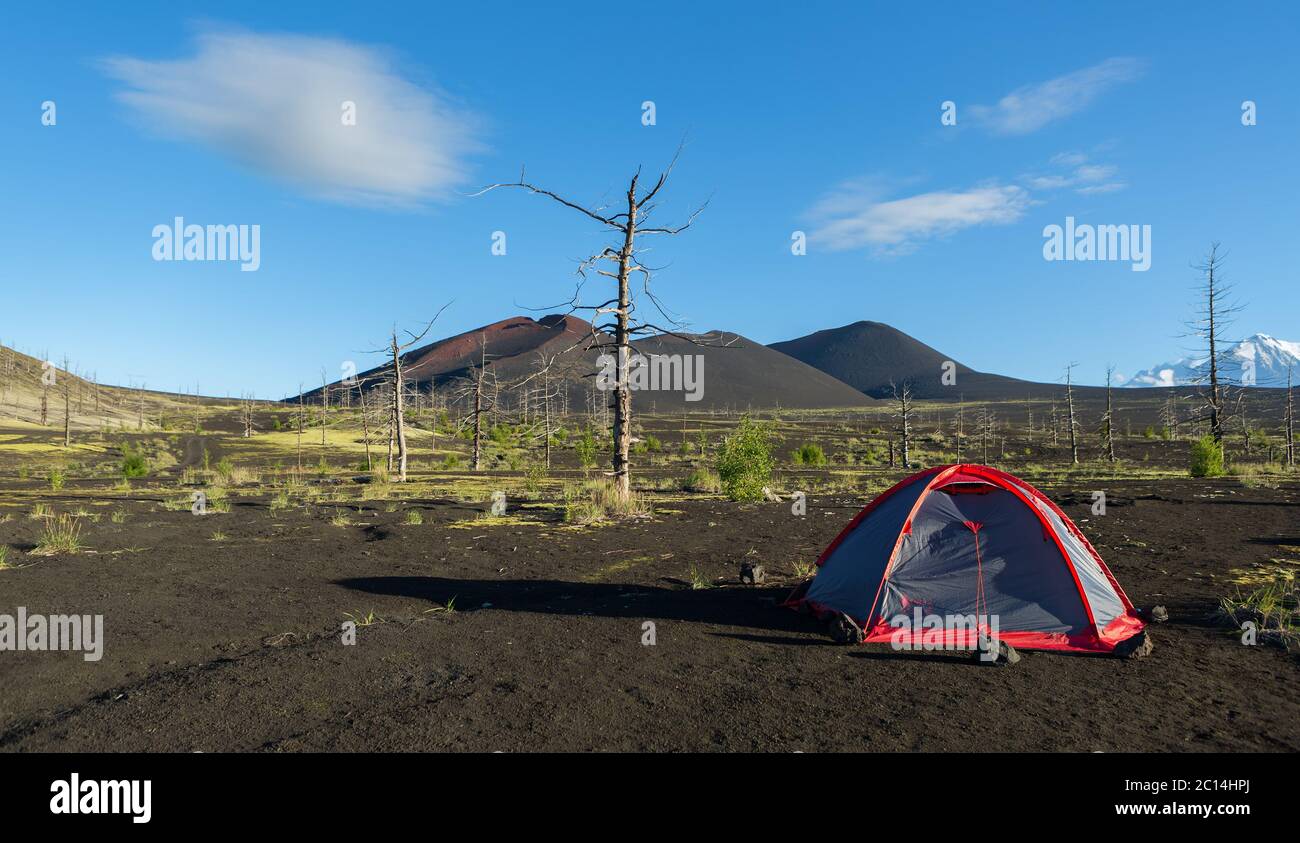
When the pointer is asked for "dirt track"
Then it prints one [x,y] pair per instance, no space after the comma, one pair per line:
[235,645]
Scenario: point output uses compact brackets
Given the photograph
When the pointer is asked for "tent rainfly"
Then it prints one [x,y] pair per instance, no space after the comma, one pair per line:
[969,540]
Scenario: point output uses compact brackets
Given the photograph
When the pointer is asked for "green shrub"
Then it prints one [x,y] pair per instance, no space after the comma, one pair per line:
[585,448]
[533,478]
[744,462]
[809,453]
[56,479]
[133,462]
[1207,457]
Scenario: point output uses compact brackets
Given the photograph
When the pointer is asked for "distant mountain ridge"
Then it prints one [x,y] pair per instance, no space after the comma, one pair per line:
[869,356]
[1259,360]
[737,373]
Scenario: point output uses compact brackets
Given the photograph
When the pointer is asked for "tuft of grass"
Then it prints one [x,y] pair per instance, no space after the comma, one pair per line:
[60,535]
[702,480]
[341,520]
[698,580]
[219,536]
[448,608]
[367,619]
[599,500]
[413,517]
[40,510]
[4,557]
[281,500]
[56,478]
[804,570]
[1274,609]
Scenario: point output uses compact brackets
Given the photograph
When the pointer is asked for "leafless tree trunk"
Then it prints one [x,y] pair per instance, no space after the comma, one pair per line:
[300,424]
[1245,423]
[397,433]
[903,395]
[960,401]
[628,224]
[1069,403]
[67,405]
[365,427]
[1290,422]
[246,414]
[1208,326]
[1108,423]
[324,405]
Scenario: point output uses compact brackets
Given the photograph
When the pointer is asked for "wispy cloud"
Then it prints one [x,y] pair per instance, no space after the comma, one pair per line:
[854,217]
[274,103]
[1032,107]
[861,215]
[1074,170]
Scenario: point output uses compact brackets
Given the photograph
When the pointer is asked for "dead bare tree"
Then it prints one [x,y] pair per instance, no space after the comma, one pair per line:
[475,393]
[986,423]
[246,414]
[45,388]
[961,400]
[1169,416]
[1108,420]
[397,415]
[1073,423]
[1290,423]
[624,257]
[1214,314]
[67,405]
[300,423]
[365,427]
[324,404]
[903,395]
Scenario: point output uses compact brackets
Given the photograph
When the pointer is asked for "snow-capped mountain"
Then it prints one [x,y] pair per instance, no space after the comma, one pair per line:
[1259,360]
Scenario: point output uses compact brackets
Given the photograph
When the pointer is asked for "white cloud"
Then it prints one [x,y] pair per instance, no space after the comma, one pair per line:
[273,103]
[1031,107]
[1085,178]
[1109,187]
[853,218]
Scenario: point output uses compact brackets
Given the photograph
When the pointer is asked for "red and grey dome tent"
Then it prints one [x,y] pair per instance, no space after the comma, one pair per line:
[963,540]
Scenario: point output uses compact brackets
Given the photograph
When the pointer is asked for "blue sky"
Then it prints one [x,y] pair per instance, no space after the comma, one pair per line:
[823,118]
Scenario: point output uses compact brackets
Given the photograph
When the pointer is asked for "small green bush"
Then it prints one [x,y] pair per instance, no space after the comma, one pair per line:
[133,462]
[1207,457]
[744,461]
[585,448]
[810,453]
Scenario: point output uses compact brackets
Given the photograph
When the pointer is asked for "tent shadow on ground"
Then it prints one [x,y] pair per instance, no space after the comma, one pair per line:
[754,608]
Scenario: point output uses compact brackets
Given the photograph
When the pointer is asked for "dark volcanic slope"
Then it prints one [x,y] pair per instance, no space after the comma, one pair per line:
[744,374]
[740,373]
[868,355]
